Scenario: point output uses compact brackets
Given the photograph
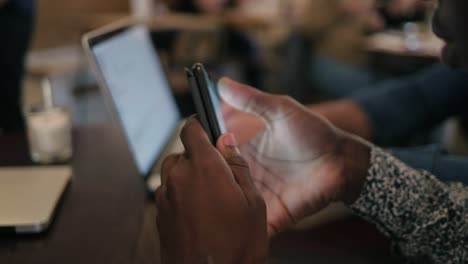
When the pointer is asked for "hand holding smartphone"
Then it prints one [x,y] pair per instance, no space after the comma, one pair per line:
[207,102]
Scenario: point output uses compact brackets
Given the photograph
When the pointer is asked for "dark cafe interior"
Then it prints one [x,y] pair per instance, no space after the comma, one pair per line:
[233,131]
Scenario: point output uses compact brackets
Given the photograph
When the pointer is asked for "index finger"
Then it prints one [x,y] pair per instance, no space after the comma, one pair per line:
[195,139]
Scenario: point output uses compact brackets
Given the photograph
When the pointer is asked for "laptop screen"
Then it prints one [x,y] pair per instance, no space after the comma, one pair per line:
[140,93]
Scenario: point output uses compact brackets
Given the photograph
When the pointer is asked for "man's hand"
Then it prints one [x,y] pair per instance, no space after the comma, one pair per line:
[243,125]
[209,210]
[299,161]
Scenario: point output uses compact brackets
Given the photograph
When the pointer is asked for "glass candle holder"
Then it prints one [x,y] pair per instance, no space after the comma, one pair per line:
[50,135]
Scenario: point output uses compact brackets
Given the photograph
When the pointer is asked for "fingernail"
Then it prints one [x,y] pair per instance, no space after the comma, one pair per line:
[221,87]
[230,140]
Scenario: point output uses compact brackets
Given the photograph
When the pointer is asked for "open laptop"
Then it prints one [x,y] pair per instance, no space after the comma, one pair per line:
[137,92]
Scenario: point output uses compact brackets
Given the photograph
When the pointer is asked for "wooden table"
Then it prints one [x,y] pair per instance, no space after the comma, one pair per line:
[106,217]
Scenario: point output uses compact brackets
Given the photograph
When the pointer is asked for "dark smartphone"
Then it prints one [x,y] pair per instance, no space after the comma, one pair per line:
[207,102]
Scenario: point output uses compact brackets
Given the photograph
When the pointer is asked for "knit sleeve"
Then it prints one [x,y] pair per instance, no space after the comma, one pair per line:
[425,219]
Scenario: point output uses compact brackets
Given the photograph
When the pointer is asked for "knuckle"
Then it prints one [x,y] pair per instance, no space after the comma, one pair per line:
[254,101]
[205,156]
[205,164]
[285,99]
[176,177]
[169,164]
[237,161]
[169,160]
[189,125]
[286,104]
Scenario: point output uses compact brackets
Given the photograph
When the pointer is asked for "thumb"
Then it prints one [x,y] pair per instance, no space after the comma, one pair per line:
[227,145]
[249,99]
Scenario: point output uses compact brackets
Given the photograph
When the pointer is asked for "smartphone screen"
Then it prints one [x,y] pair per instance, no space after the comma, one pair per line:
[216,102]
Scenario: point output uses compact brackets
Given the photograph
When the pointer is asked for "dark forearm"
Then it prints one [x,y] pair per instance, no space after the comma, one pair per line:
[399,109]
[393,111]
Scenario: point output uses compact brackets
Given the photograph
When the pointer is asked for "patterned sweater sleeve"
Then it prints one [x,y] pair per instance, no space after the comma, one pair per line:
[425,219]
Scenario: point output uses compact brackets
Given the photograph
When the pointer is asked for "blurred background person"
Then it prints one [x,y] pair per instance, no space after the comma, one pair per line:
[327,58]
[225,50]
[16,27]
[412,105]
[326,55]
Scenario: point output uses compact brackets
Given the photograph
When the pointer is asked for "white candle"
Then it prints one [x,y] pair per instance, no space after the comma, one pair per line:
[50,135]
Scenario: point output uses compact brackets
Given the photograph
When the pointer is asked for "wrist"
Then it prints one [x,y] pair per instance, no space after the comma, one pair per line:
[355,160]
